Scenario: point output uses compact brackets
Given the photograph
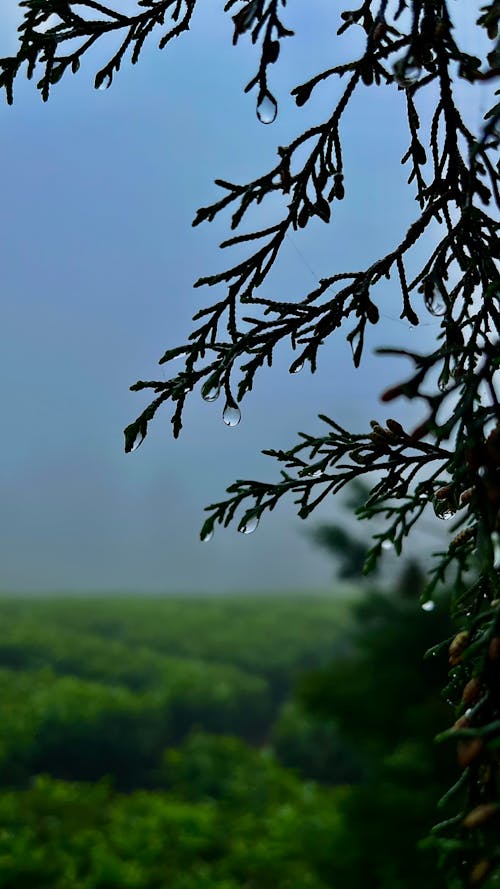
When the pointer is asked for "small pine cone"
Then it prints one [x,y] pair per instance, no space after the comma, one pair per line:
[393,392]
[472,691]
[479,872]
[395,427]
[457,646]
[494,648]
[377,433]
[463,537]
[479,815]
[443,493]
[468,751]
[466,496]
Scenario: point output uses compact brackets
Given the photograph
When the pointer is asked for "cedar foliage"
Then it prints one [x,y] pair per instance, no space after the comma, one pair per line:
[451,461]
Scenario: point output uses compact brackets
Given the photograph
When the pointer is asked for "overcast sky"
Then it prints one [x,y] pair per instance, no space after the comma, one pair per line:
[98,259]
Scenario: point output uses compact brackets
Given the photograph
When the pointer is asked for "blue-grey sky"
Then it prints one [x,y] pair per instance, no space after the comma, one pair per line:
[98,259]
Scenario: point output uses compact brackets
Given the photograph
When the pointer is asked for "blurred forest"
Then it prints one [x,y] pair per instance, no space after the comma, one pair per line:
[220,743]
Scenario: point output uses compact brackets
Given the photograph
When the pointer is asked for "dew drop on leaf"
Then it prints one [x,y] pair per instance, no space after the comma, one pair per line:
[206,536]
[443,509]
[387,545]
[267,109]
[407,72]
[434,302]
[248,525]
[495,542]
[428,606]
[296,368]
[210,391]
[106,83]
[231,414]
[138,440]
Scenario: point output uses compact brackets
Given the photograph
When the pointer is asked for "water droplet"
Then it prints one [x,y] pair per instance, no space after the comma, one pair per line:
[243,19]
[443,509]
[183,354]
[387,544]
[433,296]
[248,525]
[106,83]
[495,540]
[444,383]
[138,440]
[435,304]
[296,368]
[206,536]
[231,414]
[428,606]
[407,72]
[210,391]
[469,712]
[267,108]
[316,474]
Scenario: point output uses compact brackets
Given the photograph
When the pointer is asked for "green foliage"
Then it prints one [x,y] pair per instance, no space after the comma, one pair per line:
[211,811]
[313,746]
[147,642]
[385,700]
[65,834]
[91,687]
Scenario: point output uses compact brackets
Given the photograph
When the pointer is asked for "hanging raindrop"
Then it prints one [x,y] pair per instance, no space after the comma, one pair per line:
[138,440]
[248,525]
[387,545]
[433,298]
[444,509]
[444,382]
[105,83]
[407,72]
[244,19]
[206,536]
[210,391]
[428,606]
[495,541]
[296,368]
[267,108]
[231,414]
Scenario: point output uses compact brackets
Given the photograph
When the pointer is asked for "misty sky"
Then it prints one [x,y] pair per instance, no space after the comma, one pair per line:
[98,259]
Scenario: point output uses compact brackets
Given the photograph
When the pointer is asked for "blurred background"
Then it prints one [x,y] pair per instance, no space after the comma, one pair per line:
[276,734]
